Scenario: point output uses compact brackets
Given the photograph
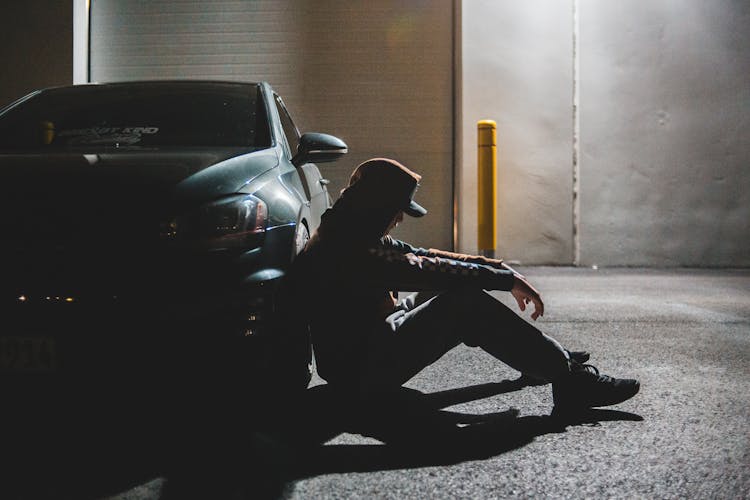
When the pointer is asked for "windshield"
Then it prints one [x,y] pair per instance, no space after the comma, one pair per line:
[138,115]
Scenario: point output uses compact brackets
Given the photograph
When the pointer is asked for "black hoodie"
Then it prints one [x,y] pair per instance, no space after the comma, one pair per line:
[342,281]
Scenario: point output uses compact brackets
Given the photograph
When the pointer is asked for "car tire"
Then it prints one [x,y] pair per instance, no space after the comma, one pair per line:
[301,237]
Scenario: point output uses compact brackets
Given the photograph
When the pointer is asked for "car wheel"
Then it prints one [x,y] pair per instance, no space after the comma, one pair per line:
[301,237]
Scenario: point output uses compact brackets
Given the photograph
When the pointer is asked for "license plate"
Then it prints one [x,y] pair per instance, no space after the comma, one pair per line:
[28,354]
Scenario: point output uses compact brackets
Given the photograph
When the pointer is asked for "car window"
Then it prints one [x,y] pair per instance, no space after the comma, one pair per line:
[290,129]
[158,115]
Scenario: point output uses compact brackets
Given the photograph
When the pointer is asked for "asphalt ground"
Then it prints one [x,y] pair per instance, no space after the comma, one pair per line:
[466,427]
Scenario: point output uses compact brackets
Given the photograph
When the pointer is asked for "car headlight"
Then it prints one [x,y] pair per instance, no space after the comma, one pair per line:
[238,221]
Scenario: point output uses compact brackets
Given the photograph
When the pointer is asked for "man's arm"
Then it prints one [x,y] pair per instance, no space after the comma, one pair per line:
[463,257]
[392,268]
[522,290]
[405,247]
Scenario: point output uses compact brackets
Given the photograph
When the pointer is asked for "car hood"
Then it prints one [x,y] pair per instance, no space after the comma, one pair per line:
[78,194]
[106,211]
[216,171]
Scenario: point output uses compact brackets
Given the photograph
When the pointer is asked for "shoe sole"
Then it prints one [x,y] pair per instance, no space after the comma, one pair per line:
[578,408]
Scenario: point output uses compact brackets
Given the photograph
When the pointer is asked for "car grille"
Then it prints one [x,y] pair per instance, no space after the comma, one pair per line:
[79,235]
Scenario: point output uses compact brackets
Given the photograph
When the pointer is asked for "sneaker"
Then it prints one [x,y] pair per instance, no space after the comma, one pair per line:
[578,356]
[587,388]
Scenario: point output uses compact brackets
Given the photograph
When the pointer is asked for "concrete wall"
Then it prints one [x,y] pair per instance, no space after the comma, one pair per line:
[37,46]
[657,149]
[665,132]
[517,69]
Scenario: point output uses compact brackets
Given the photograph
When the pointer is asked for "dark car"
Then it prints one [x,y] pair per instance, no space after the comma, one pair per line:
[145,227]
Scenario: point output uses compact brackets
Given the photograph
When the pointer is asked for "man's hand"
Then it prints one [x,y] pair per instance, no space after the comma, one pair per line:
[524,293]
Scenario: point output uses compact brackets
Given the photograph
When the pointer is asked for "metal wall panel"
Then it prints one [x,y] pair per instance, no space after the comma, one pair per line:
[377,74]
[382,74]
[36,49]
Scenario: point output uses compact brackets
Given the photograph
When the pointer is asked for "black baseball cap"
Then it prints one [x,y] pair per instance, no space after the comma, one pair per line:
[390,182]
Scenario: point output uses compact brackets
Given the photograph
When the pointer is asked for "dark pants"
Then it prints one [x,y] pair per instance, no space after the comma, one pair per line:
[424,327]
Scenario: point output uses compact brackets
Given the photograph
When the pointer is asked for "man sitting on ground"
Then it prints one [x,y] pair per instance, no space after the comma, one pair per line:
[367,342]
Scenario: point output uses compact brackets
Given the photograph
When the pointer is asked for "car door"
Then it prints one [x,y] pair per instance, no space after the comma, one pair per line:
[315,185]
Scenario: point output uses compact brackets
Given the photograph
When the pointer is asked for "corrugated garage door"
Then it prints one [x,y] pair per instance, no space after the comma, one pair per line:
[376,73]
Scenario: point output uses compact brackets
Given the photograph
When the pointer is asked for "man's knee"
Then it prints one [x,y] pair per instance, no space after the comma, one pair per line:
[462,299]
[474,303]
[471,310]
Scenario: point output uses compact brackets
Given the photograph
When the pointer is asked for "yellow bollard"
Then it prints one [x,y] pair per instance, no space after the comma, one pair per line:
[486,187]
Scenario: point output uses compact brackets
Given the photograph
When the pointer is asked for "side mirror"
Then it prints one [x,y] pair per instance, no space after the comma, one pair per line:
[315,147]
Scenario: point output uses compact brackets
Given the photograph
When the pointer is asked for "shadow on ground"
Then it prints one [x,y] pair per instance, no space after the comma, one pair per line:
[416,431]
[215,455]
